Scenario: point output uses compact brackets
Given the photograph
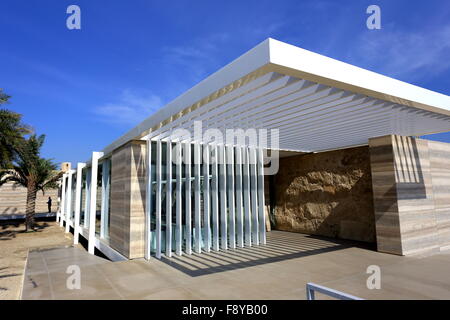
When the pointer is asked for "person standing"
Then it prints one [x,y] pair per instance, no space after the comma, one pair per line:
[49,204]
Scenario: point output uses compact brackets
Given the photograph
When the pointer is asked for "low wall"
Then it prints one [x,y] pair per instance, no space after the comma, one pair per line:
[328,194]
[13,199]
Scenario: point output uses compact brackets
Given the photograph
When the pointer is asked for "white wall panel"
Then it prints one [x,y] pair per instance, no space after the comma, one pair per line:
[148,200]
[197,198]
[158,199]
[215,197]
[168,191]
[223,197]
[179,200]
[206,198]
[239,199]
[188,195]
[254,196]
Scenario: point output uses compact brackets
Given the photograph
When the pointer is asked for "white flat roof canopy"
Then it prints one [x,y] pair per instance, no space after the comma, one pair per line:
[316,102]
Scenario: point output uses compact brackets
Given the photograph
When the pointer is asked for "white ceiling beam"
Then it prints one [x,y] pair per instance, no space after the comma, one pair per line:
[207,113]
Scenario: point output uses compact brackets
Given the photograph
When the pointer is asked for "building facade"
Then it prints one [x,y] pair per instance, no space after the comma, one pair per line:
[281,137]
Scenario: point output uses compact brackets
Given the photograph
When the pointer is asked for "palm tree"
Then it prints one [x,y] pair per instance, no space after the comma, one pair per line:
[32,172]
[3,97]
[12,131]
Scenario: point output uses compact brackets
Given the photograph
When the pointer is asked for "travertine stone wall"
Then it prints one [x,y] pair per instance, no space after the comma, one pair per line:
[385,195]
[328,193]
[128,199]
[439,153]
[411,183]
[13,199]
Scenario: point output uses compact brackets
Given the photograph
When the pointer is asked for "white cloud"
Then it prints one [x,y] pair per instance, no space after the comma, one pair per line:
[198,57]
[130,109]
[204,55]
[265,30]
[407,54]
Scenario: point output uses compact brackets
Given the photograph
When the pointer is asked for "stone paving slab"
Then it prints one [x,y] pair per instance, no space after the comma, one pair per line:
[279,270]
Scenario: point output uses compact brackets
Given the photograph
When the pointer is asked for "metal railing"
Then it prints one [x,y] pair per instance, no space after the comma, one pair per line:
[311,288]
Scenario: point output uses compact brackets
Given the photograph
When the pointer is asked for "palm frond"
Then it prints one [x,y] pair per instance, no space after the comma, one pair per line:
[30,168]
[11,176]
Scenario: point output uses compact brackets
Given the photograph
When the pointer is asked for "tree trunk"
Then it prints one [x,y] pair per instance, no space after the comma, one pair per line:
[31,206]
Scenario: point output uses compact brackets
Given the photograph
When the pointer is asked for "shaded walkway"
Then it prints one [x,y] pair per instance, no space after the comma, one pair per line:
[280,246]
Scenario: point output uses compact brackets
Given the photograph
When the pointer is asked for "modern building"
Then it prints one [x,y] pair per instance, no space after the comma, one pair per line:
[279,138]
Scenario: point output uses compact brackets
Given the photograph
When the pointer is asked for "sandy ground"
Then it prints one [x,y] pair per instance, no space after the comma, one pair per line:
[14,246]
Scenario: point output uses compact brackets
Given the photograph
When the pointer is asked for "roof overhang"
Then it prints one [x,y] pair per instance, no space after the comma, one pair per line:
[317,103]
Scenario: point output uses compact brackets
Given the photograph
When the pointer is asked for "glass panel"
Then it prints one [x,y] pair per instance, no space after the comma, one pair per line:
[66,193]
[202,201]
[179,199]
[206,197]
[214,198]
[183,203]
[246,195]
[253,193]
[223,198]
[192,194]
[244,190]
[173,197]
[83,196]
[88,197]
[231,197]
[98,200]
[73,198]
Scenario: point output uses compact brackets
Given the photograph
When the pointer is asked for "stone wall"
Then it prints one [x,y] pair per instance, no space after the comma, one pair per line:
[439,154]
[13,199]
[328,194]
[127,212]
[411,182]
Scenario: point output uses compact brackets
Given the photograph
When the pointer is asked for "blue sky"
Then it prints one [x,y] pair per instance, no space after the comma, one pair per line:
[84,88]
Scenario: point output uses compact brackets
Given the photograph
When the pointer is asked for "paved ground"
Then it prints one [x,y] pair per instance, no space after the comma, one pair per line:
[14,246]
[279,270]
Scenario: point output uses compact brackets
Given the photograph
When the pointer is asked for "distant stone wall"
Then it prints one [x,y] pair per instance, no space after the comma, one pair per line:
[328,194]
[13,200]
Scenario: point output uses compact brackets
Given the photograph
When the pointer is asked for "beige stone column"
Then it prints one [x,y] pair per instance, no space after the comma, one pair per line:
[403,195]
[128,192]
